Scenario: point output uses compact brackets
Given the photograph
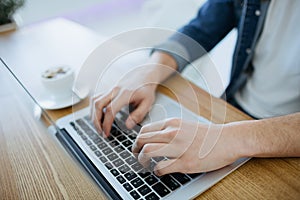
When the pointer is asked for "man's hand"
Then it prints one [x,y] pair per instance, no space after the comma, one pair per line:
[138,91]
[136,88]
[193,147]
[190,147]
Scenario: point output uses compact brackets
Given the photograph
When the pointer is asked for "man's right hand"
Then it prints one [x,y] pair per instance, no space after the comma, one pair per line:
[138,91]
[137,88]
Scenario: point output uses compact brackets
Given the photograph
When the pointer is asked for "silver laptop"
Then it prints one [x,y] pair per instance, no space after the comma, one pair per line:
[111,164]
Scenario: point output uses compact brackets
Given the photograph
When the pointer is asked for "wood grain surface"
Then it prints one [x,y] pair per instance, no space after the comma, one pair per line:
[33,165]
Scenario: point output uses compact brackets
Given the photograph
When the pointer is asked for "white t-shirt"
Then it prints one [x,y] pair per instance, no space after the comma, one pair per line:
[274,87]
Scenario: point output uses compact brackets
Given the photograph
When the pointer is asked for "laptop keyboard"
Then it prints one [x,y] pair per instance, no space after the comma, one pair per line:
[115,153]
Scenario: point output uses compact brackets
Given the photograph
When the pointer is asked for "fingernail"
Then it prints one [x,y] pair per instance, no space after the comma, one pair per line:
[130,123]
[103,134]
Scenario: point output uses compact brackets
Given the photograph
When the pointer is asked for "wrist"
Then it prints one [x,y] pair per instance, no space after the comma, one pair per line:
[162,65]
[244,138]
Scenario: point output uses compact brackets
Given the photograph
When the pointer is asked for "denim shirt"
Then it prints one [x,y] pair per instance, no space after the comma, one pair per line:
[215,19]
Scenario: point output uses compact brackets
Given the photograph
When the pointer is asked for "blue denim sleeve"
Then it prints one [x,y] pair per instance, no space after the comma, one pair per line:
[215,19]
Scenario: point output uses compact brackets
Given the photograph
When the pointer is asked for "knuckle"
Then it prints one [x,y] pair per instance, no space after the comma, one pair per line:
[109,109]
[172,133]
[98,103]
[147,149]
[139,141]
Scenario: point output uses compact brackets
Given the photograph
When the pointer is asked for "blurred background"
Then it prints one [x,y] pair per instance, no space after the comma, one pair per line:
[110,17]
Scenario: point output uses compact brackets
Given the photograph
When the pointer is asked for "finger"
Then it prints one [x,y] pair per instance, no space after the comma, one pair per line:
[167,167]
[111,111]
[138,114]
[160,125]
[155,126]
[99,104]
[156,150]
[92,104]
[152,137]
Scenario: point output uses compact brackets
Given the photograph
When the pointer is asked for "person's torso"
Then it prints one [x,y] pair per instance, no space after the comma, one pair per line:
[274,87]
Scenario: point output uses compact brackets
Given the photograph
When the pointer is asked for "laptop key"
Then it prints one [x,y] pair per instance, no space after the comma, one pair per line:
[88,142]
[121,179]
[72,124]
[132,136]
[119,149]
[112,156]
[102,145]
[158,159]
[170,182]
[114,143]
[114,172]
[131,160]
[181,178]
[118,162]
[152,196]
[109,138]
[109,165]
[137,182]
[84,137]
[135,195]
[192,176]
[127,143]
[121,138]
[98,153]
[144,190]
[125,154]
[127,131]
[80,122]
[107,151]
[103,159]
[94,136]
[137,167]
[90,132]
[127,187]
[151,180]
[114,131]
[144,173]
[160,189]
[97,140]
[124,168]
[137,128]
[130,175]
[93,148]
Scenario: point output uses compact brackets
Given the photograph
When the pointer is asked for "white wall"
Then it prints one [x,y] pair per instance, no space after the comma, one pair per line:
[170,14]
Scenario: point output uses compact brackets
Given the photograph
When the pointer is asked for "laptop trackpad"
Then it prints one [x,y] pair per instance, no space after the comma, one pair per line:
[165,107]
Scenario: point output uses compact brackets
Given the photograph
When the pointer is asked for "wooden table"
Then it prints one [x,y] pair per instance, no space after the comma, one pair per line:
[34,165]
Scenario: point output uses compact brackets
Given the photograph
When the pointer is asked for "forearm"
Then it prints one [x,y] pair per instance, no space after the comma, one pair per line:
[274,137]
[163,65]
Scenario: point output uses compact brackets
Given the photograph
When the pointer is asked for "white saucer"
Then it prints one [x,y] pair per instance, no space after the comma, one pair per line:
[52,103]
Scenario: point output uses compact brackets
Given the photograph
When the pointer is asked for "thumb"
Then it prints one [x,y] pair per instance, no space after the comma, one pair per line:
[167,167]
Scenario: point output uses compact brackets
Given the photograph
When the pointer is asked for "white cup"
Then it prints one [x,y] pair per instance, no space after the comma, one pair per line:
[58,81]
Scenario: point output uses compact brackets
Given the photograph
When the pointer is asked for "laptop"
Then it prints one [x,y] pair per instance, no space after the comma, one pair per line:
[114,168]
